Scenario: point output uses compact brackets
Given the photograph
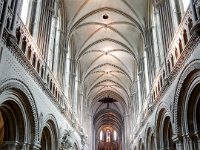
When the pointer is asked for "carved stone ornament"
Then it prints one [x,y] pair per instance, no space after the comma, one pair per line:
[67,142]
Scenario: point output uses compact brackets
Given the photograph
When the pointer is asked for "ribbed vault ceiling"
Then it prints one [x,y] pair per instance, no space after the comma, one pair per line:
[106,51]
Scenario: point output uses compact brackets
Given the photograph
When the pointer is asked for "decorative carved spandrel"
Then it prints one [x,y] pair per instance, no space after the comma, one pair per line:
[67,142]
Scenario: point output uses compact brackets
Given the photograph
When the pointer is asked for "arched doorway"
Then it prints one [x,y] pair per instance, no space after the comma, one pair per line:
[187,108]
[49,137]
[164,130]
[46,142]
[167,134]
[12,125]
[18,117]
[192,117]
[150,140]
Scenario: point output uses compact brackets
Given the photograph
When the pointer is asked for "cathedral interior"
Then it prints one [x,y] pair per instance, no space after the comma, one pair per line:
[99,74]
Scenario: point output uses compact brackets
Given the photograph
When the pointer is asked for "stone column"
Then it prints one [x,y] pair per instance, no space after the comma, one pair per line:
[72,92]
[72,76]
[176,13]
[179,142]
[66,76]
[4,17]
[142,80]
[18,5]
[185,142]
[138,93]
[190,142]
[123,138]
[92,133]
[12,145]
[126,130]
[36,21]
[32,16]
[81,111]
[197,139]
[194,14]
[146,71]
[36,146]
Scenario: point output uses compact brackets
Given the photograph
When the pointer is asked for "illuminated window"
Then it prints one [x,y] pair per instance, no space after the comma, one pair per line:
[24,12]
[101,135]
[108,136]
[115,135]
[54,43]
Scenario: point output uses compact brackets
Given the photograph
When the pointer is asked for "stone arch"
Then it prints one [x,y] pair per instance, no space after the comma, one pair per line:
[49,134]
[162,107]
[141,144]
[186,104]
[150,137]
[190,69]
[17,102]
[164,128]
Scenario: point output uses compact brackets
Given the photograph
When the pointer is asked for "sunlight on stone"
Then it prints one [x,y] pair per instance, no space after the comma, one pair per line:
[24,13]
[186,4]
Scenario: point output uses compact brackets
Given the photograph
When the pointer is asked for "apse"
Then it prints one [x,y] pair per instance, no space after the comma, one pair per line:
[108,121]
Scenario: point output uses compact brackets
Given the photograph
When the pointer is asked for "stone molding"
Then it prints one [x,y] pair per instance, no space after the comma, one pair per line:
[19,85]
[192,66]
[11,44]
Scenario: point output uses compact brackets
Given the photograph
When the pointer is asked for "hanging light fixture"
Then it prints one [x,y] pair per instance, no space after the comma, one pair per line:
[105,16]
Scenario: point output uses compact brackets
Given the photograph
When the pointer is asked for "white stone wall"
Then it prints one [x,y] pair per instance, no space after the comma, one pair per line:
[11,69]
[167,101]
